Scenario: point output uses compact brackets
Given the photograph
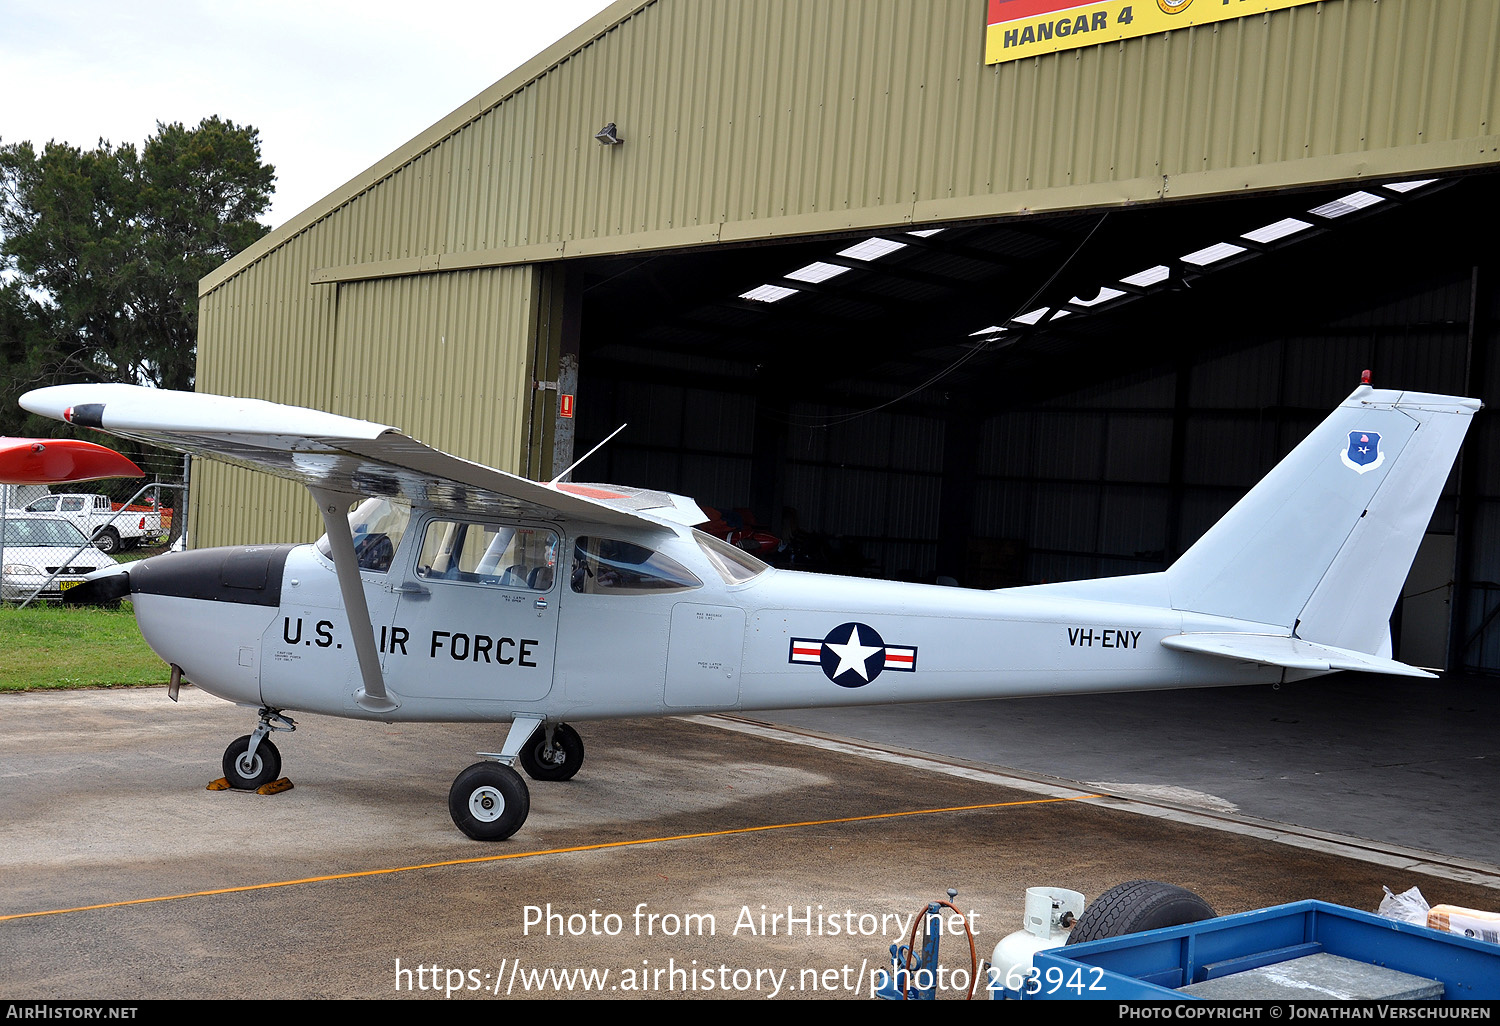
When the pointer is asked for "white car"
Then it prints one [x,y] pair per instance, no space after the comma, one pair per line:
[36,547]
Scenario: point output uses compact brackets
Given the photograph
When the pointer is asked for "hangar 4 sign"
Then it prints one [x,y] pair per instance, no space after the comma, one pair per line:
[1027,28]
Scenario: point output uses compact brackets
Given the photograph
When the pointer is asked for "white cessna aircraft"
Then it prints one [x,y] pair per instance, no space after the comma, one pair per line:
[456,592]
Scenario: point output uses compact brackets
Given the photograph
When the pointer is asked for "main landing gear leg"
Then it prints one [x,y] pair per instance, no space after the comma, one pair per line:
[553,752]
[489,801]
[253,761]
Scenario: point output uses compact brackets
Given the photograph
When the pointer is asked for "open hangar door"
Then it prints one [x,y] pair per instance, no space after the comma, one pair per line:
[1053,398]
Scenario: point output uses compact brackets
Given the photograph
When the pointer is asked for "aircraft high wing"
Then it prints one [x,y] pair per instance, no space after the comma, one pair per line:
[340,454]
[465,593]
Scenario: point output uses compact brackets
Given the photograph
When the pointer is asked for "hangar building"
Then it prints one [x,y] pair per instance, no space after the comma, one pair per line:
[1002,292]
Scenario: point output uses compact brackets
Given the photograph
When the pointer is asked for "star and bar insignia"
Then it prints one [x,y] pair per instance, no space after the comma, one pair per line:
[853,654]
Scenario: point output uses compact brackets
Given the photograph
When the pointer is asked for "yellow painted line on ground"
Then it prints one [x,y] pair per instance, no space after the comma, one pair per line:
[534,854]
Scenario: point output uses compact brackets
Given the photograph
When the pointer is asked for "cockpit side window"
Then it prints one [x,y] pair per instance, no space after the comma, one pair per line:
[377,525]
[606,566]
[498,555]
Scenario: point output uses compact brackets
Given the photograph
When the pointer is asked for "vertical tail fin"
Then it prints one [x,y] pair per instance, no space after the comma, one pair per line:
[1323,543]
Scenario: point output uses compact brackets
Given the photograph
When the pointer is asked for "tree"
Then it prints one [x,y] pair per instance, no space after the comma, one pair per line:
[101,251]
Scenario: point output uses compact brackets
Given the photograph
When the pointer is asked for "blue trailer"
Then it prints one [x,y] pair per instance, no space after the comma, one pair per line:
[1307,950]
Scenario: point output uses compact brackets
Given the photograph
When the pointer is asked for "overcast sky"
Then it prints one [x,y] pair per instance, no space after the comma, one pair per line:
[332,85]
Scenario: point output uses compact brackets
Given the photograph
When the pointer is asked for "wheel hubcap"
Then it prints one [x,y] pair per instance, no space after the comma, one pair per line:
[486,804]
[248,765]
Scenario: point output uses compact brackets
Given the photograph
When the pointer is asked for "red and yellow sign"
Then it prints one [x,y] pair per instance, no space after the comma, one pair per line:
[1026,28]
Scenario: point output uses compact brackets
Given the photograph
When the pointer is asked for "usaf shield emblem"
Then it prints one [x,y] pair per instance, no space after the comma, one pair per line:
[1363,454]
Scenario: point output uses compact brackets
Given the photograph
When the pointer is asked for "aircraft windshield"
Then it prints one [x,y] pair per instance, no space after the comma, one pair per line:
[735,565]
[377,525]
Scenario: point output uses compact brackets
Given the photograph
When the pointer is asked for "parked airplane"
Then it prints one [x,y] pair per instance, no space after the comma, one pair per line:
[457,592]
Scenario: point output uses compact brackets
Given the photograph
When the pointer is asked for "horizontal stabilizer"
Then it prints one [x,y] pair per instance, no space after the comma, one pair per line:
[1290,653]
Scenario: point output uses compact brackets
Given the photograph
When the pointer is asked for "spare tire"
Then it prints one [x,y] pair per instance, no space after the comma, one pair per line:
[1138,905]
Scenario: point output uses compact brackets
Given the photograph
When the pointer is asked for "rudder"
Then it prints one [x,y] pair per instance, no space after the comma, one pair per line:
[1322,545]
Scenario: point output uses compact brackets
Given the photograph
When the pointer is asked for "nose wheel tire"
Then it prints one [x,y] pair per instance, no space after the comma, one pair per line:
[489,801]
[247,772]
[566,757]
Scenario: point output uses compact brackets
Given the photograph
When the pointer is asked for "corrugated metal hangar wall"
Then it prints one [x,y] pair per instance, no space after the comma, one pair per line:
[505,246]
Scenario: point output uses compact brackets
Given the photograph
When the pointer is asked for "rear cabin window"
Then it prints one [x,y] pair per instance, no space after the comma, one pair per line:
[497,555]
[604,566]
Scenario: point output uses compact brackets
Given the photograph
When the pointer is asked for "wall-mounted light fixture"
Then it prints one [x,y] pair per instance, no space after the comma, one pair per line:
[607,135]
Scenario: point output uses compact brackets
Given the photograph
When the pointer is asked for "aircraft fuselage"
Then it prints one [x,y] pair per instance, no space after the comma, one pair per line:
[265,626]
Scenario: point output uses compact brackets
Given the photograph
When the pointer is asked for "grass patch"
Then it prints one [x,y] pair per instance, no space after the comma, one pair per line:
[53,647]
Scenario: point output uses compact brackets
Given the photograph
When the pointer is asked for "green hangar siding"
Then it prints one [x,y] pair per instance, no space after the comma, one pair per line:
[429,292]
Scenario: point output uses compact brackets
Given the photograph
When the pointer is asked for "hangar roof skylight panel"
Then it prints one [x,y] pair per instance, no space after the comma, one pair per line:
[817,271]
[1104,295]
[768,294]
[1347,204]
[1269,233]
[872,249]
[1405,187]
[1150,276]
[1212,254]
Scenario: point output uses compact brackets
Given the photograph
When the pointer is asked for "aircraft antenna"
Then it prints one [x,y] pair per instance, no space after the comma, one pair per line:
[586,455]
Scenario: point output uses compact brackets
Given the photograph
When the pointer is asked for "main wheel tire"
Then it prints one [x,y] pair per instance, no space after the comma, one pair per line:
[246,772]
[489,801]
[1139,905]
[567,754]
[107,541]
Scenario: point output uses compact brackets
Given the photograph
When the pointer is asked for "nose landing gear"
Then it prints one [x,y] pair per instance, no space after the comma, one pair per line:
[252,761]
[246,770]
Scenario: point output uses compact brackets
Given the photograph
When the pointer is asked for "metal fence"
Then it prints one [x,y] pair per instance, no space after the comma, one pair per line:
[163,494]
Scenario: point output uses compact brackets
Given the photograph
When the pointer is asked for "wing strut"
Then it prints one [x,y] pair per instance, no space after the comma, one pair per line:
[333,506]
